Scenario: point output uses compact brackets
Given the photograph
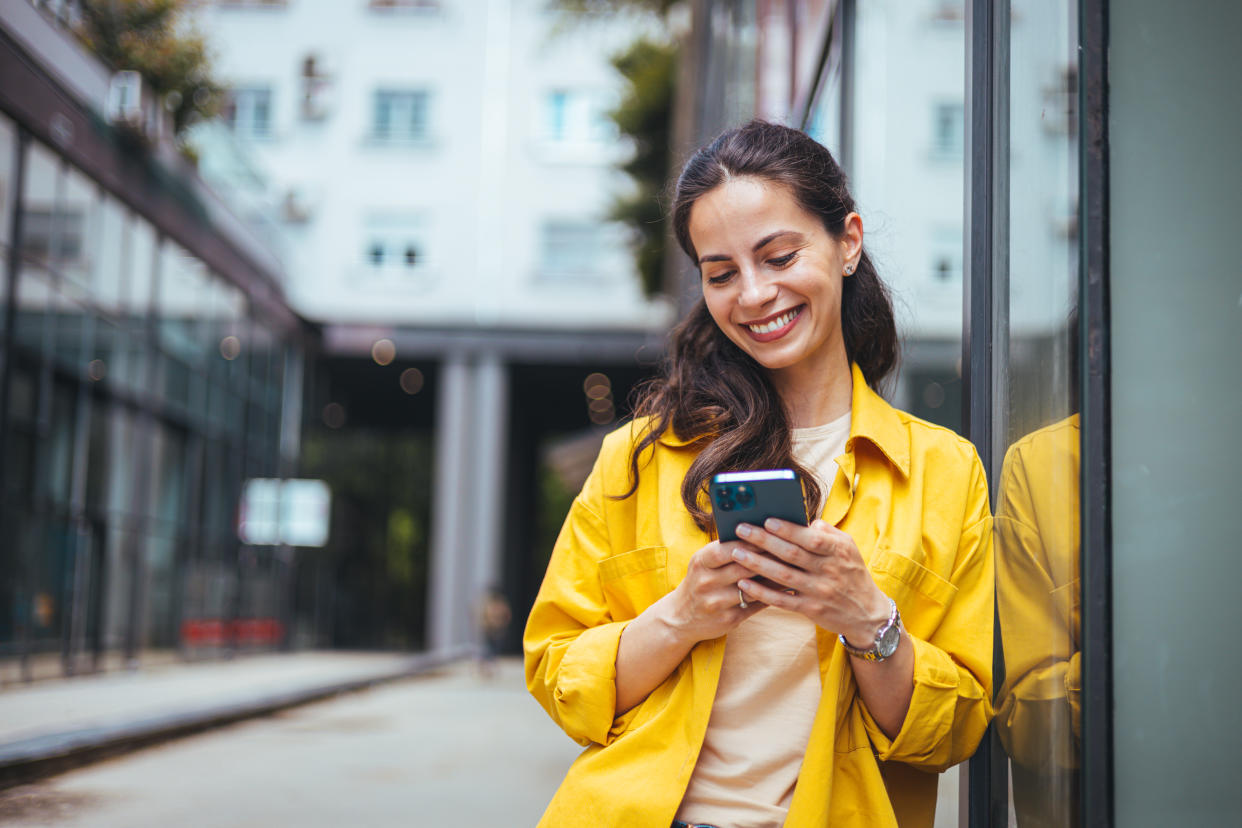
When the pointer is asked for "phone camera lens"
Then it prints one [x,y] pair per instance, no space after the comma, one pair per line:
[724,499]
[745,497]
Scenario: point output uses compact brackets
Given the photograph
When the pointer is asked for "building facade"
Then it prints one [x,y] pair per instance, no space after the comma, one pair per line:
[148,364]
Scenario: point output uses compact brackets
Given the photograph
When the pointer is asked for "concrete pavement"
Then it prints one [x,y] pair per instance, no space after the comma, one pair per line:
[50,726]
[447,749]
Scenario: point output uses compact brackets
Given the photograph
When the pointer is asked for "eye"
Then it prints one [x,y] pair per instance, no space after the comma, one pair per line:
[783,261]
[721,278]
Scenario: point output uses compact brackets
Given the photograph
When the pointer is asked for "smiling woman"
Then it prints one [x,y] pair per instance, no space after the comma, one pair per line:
[859,647]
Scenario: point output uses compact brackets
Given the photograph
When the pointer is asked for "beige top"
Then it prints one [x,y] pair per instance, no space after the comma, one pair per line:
[768,693]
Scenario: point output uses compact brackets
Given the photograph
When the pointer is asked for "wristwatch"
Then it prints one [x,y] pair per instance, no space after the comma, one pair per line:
[887,637]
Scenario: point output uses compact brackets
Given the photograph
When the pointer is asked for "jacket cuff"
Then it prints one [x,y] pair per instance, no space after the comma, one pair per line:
[924,736]
[586,686]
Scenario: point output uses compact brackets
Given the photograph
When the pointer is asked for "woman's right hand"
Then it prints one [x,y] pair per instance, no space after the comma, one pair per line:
[707,603]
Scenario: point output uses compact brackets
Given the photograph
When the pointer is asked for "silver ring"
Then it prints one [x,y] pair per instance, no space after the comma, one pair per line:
[741,599]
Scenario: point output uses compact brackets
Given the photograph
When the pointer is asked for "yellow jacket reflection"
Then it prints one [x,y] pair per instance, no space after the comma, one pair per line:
[1037,540]
[914,498]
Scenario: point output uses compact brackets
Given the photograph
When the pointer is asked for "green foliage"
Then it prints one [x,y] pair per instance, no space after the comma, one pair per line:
[645,116]
[149,37]
[555,498]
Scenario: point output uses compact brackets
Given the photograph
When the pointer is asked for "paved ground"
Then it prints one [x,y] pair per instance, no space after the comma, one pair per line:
[445,749]
[103,700]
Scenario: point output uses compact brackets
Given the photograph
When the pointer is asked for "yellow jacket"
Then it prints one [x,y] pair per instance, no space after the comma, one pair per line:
[914,498]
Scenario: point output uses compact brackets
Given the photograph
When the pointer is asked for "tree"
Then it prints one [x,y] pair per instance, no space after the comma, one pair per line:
[645,116]
[150,37]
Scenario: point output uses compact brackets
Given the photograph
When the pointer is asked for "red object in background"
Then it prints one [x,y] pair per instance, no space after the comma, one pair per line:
[216,632]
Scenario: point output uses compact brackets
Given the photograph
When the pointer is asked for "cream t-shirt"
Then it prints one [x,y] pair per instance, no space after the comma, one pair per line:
[767,696]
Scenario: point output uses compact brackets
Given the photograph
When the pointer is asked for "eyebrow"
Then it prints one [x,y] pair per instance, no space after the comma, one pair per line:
[759,245]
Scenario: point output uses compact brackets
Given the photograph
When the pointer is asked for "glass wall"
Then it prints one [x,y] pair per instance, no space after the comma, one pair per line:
[904,136]
[1035,417]
[1176,381]
[139,388]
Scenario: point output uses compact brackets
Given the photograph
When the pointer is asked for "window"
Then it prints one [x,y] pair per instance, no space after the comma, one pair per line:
[395,244]
[248,111]
[576,116]
[52,238]
[401,115]
[948,129]
[946,255]
[579,250]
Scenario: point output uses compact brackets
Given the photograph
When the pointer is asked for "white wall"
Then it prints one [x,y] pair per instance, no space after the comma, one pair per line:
[479,189]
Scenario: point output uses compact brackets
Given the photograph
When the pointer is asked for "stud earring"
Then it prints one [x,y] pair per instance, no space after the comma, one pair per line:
[849,270]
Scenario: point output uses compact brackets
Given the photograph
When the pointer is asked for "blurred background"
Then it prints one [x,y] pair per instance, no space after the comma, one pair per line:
[414,249]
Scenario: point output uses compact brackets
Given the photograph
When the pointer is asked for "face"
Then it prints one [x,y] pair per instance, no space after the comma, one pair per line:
[772,274]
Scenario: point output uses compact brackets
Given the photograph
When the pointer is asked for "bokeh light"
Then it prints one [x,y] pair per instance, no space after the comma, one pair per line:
[230,347]
[334,415]
[383,352]
[411,380]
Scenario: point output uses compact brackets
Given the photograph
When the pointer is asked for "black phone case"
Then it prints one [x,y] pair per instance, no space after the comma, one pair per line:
[778,498]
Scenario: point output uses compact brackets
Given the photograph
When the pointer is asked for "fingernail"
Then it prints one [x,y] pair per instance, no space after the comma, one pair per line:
[744,530]
[740,554]
[771,524]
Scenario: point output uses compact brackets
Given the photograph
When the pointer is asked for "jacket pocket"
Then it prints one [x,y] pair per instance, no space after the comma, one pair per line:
[921,594]
[634,580]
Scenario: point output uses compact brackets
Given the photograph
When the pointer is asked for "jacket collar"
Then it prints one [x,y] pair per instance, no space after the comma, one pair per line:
[874,420]
[871,419]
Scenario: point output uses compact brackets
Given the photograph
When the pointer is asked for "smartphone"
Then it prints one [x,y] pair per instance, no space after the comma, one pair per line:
[753,497]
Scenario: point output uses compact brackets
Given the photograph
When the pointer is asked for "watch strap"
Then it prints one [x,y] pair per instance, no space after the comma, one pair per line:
[872,653]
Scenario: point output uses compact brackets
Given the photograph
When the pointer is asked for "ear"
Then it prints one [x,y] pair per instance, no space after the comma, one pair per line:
[851,241]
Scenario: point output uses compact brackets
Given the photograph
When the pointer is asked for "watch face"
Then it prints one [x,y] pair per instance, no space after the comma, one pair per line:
[887,644]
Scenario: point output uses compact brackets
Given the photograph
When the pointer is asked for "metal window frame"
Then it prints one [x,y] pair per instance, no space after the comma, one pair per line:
[985,321]
[1096,583]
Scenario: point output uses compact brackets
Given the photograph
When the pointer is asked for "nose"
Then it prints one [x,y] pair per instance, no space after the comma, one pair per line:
[756,291]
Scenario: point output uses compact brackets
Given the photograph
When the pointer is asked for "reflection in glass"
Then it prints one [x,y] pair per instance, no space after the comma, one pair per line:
[1037,508]
[1037,545]
[907,87]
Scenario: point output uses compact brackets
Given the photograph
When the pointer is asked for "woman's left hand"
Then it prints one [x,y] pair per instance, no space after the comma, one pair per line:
[822,566]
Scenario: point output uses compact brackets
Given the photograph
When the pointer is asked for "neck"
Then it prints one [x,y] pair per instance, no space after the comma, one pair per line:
[815,394]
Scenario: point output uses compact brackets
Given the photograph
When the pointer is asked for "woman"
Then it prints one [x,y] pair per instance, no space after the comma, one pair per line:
[703,693]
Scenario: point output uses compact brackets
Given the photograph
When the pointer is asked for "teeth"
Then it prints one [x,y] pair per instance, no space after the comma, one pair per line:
[776,324]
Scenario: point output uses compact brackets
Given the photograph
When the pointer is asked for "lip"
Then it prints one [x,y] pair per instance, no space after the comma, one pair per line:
[771,336]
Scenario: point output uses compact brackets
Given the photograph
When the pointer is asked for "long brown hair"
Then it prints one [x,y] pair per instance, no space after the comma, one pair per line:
[710,391]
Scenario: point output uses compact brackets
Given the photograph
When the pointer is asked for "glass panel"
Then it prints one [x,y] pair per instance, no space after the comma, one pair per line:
[42,225]
[182,298]
[140,264]
[8,199]
[1037,526]
[79,237]
[1175,294]
[171,482]
[114,254]
[908,94]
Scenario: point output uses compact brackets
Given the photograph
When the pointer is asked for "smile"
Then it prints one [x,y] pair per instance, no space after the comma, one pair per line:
[775,327]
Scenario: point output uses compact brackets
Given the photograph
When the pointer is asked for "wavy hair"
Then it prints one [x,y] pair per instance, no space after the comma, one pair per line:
[710,392]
